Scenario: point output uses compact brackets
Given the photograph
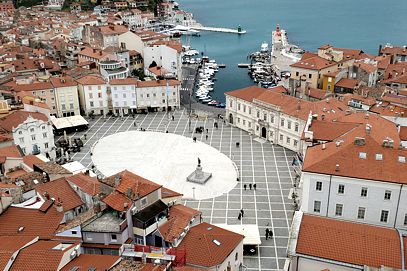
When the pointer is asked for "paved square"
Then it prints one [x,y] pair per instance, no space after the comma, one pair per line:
[265,165]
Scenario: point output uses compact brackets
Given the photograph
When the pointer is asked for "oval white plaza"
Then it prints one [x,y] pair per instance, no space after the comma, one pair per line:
[166,159]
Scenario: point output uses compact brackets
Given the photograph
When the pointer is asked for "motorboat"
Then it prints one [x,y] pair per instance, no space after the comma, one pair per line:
[213,103]
[264,48]
[192,52]
[221,105]
[205,101]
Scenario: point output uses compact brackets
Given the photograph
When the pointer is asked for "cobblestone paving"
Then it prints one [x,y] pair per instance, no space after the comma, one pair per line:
[269,206]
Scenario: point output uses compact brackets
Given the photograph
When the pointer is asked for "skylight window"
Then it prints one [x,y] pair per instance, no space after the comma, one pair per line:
[209,228]
[216,242]
[362,155]
[379,156]
[402,159]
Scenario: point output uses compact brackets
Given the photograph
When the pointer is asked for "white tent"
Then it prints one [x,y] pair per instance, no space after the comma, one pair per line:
[250,232]
[68,122]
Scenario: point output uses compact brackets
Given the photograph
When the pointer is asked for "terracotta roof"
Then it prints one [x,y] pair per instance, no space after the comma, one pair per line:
[113,29]
[329,131]
[91,80]
[370,101]
[18,117]
[30,87]
[127,81]
[369,68]
[403,133]
[34,102]
[187,268]
[349,53]
[201,248]
[140,186]
[61,191]
[330,108]
[30,160]
[396,99]
[86,261]
[64,81]
[9,245]
[316,93]
[35,222]
[313,63]
[117,201]
[87,184]
[11,151]
[94,53]
[172,44]
[167,193]
[346,154]
[347,83]
[400,79]
[179,217]
[349,242]
[154,83]
[52,168]
[39,256]
[390,50]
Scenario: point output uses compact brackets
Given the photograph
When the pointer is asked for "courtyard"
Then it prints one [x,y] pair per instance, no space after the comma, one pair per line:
[260,163]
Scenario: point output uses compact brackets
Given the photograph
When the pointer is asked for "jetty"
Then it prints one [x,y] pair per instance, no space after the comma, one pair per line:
[219,29]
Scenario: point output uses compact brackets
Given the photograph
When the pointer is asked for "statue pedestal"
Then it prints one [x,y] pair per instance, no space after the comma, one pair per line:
[199,176]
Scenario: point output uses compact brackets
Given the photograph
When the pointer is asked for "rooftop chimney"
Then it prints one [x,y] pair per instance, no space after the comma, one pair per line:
[360,141]
[367,116]
[368,128]
[60,209]
[323,146]
[129,193]
[46,195]
[117,180]
[337,167]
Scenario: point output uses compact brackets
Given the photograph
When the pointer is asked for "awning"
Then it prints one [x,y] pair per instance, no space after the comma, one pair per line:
[68,122]
[250,232]
[151,211]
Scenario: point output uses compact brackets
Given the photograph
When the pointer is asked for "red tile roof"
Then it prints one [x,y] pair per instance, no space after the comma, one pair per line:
[61,191]
[349,242]
[35,222]
[179,217]
[127,81]
[117,201]
[18,117]
[9,245]
[201,248]
[329,131]
[313,63]
[113,29]
[91,80]
[347,155]
[30,160]
[154,83]
[167,193]
[64,81]
[87,184]
[403,133]
[10,151]
[395,99]
[347,83]
[86,261]
[394,50]
[39,256]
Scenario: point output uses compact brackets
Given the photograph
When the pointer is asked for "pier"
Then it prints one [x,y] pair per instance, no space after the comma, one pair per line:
[219,29]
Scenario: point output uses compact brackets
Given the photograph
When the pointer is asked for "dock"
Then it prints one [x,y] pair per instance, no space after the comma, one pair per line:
[243,65]
[219,29]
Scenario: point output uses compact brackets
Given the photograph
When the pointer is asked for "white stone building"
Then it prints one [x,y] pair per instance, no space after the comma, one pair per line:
[358,177]
[274,116]
[167,56]
[31,131]
[157,95]
[124,96]
[93,95]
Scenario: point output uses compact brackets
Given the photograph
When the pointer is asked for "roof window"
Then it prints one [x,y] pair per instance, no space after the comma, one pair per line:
[209,228]
[402,159]
[379,156]
[362,155]
[216,242]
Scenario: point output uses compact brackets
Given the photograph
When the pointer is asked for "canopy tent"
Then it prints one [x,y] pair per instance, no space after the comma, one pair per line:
[68,122]
[250,232]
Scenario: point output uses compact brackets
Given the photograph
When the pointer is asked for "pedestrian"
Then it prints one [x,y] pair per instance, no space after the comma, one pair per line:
[293,162]
[194,138]
[207,130]
[84,136]
[267,233]
[166,132]
[239,216]
[270,233]
[206,137]
[242,212]
[250,186]
[135,124]
[245,186]
[254,186]
[173,117]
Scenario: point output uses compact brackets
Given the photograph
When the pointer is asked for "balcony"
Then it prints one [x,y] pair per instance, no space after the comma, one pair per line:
[154,253]
[263,123]
[150,218]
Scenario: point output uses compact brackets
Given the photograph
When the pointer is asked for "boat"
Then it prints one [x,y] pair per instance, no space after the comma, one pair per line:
[264,48]
[221,105]
[213,103]
[205,101]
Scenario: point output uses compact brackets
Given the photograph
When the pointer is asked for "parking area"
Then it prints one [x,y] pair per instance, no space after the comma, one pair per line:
[260,163]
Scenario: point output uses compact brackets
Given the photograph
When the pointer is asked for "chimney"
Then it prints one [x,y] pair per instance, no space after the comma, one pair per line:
[337,167]
[368,128]
[323,117]
[111,27]
[96,208]
[360,141]
[117,180]
[125,205]
[100,53]
[323,146]
[129,193]
[60,209]
[46,195]
[367,116]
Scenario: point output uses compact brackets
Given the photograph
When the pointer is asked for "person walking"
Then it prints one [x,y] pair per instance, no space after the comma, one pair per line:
[239,216]
[207,130]
[270,233]
[85,136]
[250,186]
[172,117]
[242,212]
[245,186]
[254,186]
[206,137]
[267,233]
